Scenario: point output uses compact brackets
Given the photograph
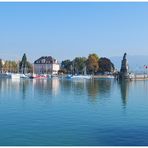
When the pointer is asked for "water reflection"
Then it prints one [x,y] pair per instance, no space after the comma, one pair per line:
[13,86]
[55,86]
[124,89]
[99,89]
[79,87]
[47,86]
[8,85]
[66,85]
[22,87]
[93,89]
[74,86]
[24,84]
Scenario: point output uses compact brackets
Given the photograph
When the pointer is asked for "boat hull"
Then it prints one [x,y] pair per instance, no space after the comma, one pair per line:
[79,77]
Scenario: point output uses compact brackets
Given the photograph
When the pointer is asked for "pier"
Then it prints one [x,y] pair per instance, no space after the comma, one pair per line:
[125,74]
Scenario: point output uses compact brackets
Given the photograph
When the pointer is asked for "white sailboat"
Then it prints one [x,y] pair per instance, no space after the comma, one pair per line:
[85,76]
[81,77]
[15,76]
[18,75]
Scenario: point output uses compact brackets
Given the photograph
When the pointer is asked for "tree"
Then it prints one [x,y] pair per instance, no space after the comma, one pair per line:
[23,63]
[105,65]
[10,66]
[13,66]
[95,55]
[61,71]
[79,64]
[67,66]
[29,67]
[92,63]
[5,66]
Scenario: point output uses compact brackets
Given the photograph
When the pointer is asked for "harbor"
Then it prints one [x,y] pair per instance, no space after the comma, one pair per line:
[33,110]
[43,71]
[73,74]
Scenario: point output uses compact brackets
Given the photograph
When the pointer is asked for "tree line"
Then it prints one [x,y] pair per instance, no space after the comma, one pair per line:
[79,65]
[90,65]
[22,66]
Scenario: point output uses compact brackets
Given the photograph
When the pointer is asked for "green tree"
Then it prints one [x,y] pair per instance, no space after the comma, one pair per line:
[5,66]
[105,65]
[67,66]
[10,66]
[23,64]
[79,64]
[13,66]
[29,67]
[92,63]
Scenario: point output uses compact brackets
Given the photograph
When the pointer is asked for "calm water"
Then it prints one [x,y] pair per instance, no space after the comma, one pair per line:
[65,112]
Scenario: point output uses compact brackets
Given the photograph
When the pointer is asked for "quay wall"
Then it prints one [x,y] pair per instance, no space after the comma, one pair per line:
[141,77]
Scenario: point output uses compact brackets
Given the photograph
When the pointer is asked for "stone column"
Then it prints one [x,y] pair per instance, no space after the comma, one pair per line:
[124,67]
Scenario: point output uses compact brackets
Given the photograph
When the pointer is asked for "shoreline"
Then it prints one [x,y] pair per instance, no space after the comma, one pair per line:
[136,78]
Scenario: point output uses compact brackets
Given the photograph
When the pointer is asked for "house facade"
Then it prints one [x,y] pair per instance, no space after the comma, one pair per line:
[46,65]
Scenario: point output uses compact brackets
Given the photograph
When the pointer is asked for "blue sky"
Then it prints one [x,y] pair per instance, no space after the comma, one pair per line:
[65,30]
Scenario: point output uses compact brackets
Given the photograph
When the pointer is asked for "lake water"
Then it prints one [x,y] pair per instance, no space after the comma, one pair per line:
[65,112]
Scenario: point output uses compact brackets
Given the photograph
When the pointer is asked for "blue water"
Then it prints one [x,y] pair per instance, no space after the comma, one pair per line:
[64,112]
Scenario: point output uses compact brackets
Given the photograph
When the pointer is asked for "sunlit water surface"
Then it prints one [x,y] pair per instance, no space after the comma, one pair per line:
[65,112]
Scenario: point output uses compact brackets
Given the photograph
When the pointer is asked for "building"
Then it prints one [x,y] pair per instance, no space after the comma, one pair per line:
[2,62]
[46,65]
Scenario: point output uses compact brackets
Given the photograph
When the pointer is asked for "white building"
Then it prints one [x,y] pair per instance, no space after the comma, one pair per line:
[46,65]
[3,62]
[1,68]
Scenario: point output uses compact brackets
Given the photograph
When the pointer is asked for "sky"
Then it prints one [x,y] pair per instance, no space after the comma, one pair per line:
[65,30]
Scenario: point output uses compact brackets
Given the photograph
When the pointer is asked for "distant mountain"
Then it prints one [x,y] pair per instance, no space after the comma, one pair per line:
[136,62]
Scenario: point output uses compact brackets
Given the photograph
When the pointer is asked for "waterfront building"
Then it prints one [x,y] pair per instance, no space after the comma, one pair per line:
[2,62]
[46,65]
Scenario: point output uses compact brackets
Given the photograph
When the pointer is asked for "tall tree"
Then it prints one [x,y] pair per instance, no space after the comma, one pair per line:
[92,63]
[23,63]
[5,66]
[79,64]
[13,66]
[10,66]
[105,65]
[67,66]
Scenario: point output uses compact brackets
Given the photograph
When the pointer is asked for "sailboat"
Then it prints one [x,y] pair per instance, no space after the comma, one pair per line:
[85,76]
[14,75]
[81,77]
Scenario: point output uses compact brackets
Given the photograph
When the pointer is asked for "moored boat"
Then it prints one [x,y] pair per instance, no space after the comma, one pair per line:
[15,76]
[35,76]
[24,76]
[79,76]
[4,75]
